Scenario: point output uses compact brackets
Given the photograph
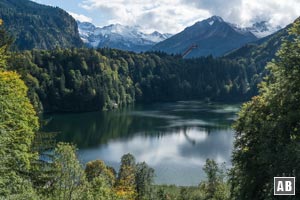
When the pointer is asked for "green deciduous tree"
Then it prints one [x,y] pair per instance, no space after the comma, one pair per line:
[268,128]
[18,124]
[126,182]
[144,180]
[100,189]
[216,187]
[98,168]
[69,182]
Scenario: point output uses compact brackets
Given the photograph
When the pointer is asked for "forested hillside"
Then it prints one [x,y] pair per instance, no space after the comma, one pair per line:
[268,128]
[87,79]
[38,26]
[33,166]
[257,54]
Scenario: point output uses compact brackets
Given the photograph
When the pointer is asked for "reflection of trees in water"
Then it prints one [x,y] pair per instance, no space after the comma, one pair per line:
[92,129]
[188,138]
[218,143]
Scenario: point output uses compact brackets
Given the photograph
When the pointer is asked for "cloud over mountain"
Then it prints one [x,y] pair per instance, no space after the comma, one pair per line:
[174,16]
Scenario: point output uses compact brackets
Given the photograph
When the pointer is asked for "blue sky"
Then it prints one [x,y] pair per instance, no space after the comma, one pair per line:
[173,16]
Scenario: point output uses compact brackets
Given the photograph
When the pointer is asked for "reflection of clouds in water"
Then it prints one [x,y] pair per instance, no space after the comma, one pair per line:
[227,109]
[234,118]
[197,135]
[174,138]
[216,145]
[171,154]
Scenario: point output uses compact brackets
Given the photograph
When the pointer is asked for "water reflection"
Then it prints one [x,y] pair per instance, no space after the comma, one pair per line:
[174,138]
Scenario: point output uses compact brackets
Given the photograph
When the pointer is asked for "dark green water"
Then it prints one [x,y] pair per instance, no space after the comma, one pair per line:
[173,138]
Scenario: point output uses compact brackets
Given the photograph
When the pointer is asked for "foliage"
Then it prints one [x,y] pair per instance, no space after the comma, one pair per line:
[99,189]
[144,180]
[38,26]
[267,130]
[18,123]
[126,185]
[86,79]
[5,42]
[98,168]
[215,176]
[255,55]
[43,169]
[216,187]
[69,180]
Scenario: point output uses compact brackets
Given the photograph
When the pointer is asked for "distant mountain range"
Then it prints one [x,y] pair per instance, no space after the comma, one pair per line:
[212,36]
[262,29]
[255,56]
[261,51]
[38,26]
[119,37]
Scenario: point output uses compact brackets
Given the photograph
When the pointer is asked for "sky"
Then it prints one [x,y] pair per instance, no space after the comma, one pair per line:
[172,16]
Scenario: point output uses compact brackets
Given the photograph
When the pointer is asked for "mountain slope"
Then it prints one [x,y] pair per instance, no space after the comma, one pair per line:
[261,51]
[119,37]
[255,56]
[259,29]
[38,26]
[212,36]
[263,29]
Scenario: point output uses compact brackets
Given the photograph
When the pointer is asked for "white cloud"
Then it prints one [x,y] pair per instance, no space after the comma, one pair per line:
[246,12]
[80,17]
[163,15]
[277,12]
[173,16]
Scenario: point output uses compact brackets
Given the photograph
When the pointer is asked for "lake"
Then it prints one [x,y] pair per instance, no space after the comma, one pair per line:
[173,138]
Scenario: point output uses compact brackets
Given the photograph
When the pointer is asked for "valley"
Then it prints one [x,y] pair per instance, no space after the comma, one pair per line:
[148,101]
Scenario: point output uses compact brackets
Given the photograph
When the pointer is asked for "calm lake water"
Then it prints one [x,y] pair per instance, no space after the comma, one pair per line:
[173,138]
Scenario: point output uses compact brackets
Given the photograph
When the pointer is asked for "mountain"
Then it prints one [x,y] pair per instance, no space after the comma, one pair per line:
[260,51]
[119,37]
[255,56]
[213,36]
[38,26]
[261,29]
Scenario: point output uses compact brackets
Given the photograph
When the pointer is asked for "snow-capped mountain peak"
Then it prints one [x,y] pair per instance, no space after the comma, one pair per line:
[156,36]
[259,29]
[214,19]
[119,36]
[263,28]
